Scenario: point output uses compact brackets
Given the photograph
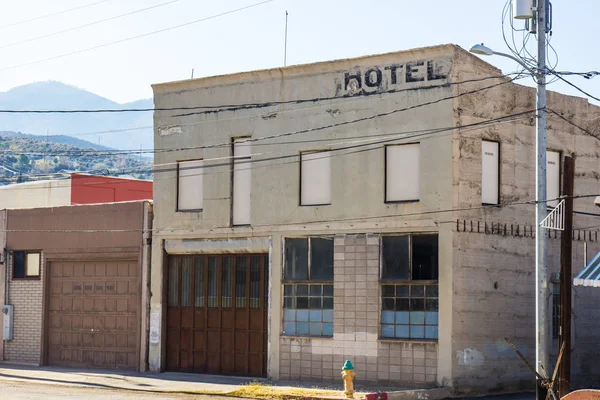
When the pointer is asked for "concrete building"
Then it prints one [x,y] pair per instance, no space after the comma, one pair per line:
[76,279]
[375,209]
[76,189]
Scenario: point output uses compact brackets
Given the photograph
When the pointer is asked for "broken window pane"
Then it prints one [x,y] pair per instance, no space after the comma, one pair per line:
[296,259]
[395,257]
[425,257]
[321,259]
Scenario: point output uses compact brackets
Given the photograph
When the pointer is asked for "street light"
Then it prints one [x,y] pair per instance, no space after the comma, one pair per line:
[541,240]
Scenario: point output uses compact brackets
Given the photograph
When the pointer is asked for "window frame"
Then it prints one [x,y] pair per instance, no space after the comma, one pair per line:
[26,277]
[234,139]
[405,282]
[308,282]
[498,203]
[177,209]
[385,175]
[300,154]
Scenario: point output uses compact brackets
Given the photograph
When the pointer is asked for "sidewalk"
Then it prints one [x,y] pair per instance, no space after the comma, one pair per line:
[179,383]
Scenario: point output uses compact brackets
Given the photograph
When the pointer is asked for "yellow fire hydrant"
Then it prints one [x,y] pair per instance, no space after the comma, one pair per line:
[348,375]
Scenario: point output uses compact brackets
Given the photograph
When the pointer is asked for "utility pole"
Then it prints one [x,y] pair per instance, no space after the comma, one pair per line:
[566,251]
[541,239]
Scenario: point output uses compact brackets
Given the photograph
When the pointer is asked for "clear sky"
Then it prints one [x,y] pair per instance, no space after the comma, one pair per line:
[254,38]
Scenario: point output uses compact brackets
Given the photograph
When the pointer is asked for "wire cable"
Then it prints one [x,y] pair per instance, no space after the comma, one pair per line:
[135,37]
[52,15]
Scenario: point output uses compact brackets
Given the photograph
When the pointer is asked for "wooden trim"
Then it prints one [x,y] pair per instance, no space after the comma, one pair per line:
[177,210]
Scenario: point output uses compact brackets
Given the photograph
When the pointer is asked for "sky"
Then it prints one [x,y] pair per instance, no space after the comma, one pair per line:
[318,30]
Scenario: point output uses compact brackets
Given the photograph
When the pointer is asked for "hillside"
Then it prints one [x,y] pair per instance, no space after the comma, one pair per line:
[89,126]
[26,155]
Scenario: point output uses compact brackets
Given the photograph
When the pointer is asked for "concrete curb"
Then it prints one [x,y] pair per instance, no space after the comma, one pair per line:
[418,394]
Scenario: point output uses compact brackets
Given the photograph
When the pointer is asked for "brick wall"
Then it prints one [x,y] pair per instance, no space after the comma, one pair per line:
[26,297]
[356,330]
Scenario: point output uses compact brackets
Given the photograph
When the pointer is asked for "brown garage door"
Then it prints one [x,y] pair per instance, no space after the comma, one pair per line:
[217,314]
[93,314]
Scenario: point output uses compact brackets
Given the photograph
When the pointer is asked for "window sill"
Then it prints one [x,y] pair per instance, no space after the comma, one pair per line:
[297,337]
[190,211]
[28,278]
[414,341]
[314,205]
[400,201]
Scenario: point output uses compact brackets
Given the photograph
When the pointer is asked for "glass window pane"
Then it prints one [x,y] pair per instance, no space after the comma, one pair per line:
[387,331]
[328,303]
[289,328]
[315,328]
[328,316]
[316,290]
[402,317]
[425,257]
[301,290]
[432,291]
[266,280]
[432,305]
[402,290]
[387,304]
[254,282]
[328,329]
[302,328]
[417,332]
[213,282]
[402,332]
[431,332]
[288,290]
[402,304]
[199,283]
[186,282]
[417,304]
[296,259]
[417,291]
[387,317]
[315,316]
[321,259]
[387,291]
[173,282]
[431,318]
[302,315]
[241,281]
[327,290]
[315,303]
[395,257]
[302,302]
[289,315]
[33,264]
[18,264]
[417,317]
[289,302]
[226,282]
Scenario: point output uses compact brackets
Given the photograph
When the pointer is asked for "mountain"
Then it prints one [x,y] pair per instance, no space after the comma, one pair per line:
[27,155]
[70,140]
[92,127]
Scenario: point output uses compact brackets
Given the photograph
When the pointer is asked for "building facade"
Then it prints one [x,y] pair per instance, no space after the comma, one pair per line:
[76,189]
[76,279]
[324,212]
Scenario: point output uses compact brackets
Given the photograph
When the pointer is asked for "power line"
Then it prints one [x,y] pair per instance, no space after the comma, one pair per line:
[574,124]
[575,86]
[86,25]
[52,15]
[136,37]
[211,109]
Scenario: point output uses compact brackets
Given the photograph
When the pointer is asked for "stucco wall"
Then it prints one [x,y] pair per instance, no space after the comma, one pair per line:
[36,194]
[494,275]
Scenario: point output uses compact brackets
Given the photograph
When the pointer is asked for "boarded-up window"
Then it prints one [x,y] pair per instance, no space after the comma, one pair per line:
[242,175]
[189,185]
[315,178]
[490,172]
[402,172]
[552,177]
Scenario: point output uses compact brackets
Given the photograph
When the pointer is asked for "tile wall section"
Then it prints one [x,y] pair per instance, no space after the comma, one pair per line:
[356,330]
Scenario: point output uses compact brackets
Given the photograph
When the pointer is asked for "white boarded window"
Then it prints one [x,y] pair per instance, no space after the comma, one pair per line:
[552,177]
[315,178]
[490,172]
[242,183]
[402,172]
[190,176]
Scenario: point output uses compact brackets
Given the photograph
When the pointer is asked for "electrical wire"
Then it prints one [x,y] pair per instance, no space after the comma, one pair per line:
[86,25]
[588,132]
[575,86]
[135,37]
[52,15]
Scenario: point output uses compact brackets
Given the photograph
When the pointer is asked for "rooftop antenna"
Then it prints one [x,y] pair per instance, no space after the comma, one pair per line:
[192,73]
[285,45]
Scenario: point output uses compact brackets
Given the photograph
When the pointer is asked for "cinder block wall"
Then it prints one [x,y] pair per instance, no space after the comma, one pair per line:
[356,306]
[26,297]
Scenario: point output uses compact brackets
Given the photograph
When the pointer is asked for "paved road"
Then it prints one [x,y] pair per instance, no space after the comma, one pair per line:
[35,391]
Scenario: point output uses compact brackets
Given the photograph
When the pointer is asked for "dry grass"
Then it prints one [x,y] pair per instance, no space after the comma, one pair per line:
[260,391]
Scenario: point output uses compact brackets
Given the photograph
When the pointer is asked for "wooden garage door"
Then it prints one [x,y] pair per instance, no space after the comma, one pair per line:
[93,314]
[217,314]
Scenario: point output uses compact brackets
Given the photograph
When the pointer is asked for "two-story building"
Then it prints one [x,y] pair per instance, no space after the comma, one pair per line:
[376,209]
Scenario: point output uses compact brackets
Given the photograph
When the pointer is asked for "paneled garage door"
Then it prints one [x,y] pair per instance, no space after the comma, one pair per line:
[217,314]
[93,314]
